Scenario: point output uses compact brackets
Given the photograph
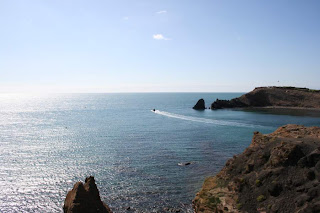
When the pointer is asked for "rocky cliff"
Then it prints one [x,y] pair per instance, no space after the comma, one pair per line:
[85,198]
[278,172]
[273,97]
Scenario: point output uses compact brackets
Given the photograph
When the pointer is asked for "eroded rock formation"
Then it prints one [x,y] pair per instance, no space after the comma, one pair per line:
[278,172]
[85,198]
[200,105]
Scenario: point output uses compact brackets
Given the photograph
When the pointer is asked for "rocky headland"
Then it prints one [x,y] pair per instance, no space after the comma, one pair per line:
[278,172]
[85,198]
[287,97]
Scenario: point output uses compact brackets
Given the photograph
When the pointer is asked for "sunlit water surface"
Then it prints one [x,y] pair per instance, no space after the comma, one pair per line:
[48,142]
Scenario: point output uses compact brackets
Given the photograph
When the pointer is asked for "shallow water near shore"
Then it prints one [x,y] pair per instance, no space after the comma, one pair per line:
[48,142]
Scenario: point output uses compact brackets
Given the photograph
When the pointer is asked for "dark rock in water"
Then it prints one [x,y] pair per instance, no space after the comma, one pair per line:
[233,103]
[200,105]
[85,198]
[278,172]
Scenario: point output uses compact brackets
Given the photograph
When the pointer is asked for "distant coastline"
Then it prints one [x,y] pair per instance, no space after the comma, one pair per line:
[273,97]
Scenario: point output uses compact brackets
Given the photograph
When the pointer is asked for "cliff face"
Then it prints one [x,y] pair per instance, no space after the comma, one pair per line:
[273,96]
[278,172]
[85,198]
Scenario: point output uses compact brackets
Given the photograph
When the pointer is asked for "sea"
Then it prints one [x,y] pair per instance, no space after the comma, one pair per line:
[139,157]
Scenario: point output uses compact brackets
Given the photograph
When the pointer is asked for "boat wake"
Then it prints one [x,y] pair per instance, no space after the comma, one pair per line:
[205,120]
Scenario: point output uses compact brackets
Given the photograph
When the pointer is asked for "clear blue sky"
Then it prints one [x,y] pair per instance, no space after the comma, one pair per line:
[158,45]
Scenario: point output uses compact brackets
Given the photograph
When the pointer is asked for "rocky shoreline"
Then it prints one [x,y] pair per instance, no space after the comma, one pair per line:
[278,172]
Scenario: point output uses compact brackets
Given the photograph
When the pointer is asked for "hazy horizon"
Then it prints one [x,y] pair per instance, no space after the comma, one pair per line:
[158,46]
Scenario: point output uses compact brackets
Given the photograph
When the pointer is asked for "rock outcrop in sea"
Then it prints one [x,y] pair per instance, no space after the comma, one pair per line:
[200,105]
[85,198]
[278,172]
[273,97]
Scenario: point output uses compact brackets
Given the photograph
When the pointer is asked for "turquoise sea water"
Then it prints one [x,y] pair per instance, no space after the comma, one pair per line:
[48,142]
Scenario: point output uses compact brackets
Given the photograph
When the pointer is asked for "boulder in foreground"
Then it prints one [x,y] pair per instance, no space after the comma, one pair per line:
[278,172]
[200,105]
[85,198]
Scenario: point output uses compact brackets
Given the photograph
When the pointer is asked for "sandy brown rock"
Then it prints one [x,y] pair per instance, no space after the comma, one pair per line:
[278,172]
[85,198]
[290,97]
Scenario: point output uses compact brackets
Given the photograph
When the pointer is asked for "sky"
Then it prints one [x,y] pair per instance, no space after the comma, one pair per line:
[158,45]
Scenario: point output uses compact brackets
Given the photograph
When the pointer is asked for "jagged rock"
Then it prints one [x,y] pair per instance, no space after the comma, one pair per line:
[278,172]
[200,105]
[273,97]
[85,198]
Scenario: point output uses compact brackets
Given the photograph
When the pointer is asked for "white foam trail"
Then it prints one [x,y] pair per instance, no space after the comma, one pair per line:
[204,120]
